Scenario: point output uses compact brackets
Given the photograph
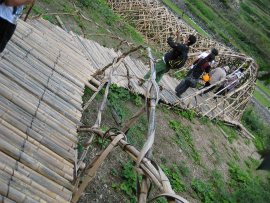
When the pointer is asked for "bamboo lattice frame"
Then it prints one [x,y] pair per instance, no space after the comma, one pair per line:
[155,22]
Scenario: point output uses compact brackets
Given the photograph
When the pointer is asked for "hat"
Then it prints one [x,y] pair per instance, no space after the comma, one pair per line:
[215,52]
[227,68]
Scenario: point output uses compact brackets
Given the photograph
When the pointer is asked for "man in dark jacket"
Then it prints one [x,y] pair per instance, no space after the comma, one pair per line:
[10,12]
[201,65]
[172,59]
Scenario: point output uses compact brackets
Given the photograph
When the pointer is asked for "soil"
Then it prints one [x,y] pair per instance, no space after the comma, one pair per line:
[100,190]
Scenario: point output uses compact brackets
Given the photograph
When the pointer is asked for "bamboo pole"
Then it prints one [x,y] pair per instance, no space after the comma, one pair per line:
[37,136]
[33,175]
[53,196]
[36,152]
[33,164]
[11,182]
[5,199]
[14,194]
[93,169]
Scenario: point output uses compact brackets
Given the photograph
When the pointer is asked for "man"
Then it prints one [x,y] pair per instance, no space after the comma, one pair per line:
[203,55]
[202,65]
[216,75]
[172,59]
[10,12]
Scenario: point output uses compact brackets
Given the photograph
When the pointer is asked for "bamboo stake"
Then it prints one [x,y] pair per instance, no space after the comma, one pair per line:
[95,167]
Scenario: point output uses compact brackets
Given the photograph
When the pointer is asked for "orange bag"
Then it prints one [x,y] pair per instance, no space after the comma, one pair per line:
[206,78]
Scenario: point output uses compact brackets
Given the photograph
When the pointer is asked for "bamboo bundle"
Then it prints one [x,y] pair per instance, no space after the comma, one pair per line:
[27,35]
[52,86]
[52,32]
[60,58]
[51,59]
[35,55]
[41,73]
[14,194]
[33,175]
[37,145]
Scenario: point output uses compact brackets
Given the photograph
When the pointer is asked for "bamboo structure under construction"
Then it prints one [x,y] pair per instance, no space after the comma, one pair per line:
[43,73]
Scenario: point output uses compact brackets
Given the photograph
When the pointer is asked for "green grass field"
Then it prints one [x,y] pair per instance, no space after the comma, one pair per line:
[261,99]
[263,88]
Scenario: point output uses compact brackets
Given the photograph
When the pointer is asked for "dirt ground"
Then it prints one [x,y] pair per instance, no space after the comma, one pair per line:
[100,190]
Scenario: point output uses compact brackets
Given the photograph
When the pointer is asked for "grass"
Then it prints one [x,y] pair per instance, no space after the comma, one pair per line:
[224,25]
[263,88]
[261,98]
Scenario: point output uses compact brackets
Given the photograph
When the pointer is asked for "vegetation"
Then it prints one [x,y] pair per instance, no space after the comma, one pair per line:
[261,99]
[257,127]
[263,88]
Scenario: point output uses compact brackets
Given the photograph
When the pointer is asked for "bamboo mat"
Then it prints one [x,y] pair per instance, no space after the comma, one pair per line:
[43,73]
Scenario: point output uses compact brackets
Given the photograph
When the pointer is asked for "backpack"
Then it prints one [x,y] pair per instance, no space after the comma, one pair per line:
[180,61]
[14,7]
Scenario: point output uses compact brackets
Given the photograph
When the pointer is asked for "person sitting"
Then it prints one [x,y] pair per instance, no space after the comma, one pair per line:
[172,59]
[201,65]
[216,75]
[231,83]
